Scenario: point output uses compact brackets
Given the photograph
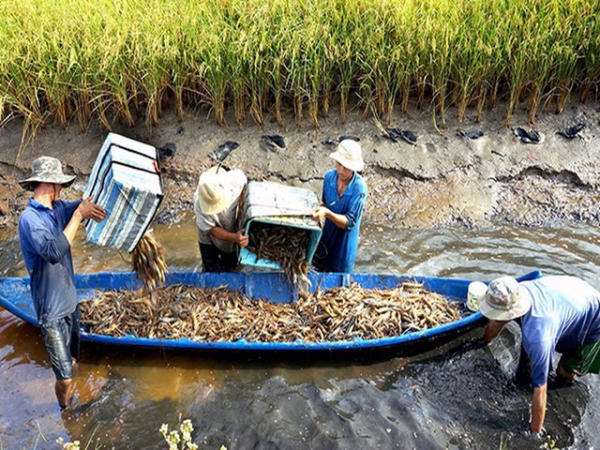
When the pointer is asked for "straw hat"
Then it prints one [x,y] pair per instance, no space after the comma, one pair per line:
[504,299]
[214,191]
[46,169]
[349,155]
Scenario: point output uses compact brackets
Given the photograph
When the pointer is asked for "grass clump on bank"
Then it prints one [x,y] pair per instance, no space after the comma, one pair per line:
[121,60]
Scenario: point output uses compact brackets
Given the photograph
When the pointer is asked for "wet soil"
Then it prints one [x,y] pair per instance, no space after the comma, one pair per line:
[443,180]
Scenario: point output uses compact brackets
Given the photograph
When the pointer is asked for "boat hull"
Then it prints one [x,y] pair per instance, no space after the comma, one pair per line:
[15,297]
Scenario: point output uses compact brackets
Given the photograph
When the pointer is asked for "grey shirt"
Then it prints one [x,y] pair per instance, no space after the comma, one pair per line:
[226,219]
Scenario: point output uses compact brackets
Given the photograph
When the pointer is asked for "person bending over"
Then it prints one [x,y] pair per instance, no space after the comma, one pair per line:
[215,205]
[556,313]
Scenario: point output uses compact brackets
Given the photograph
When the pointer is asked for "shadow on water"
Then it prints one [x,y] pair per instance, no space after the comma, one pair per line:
[456,396]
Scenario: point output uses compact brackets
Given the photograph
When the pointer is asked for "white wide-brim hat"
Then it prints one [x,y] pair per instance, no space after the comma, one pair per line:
[504,299]
[349,155]
[214,191]
[46,169]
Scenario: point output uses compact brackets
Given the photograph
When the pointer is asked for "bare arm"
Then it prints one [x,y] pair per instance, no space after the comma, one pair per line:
[224,235]
[85,210]
[339,220]
[538,408]
[493,329]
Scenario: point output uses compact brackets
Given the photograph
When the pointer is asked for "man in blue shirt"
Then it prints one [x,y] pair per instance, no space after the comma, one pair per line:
[557,313]
[344,196]
[47,228]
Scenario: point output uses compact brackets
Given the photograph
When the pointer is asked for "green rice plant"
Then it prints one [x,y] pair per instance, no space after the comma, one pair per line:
[589,44]
[474,56]
[517,47]
[403,60]
[344,52]
[571,20]
[260,54]
[121,60]
[213,62]
[374,62]
[441,35]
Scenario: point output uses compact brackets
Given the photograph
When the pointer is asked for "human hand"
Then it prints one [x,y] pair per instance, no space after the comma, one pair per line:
[240,239]
[89,210]
[319,213]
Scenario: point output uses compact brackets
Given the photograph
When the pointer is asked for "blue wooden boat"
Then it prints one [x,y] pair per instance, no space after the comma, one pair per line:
[15,297]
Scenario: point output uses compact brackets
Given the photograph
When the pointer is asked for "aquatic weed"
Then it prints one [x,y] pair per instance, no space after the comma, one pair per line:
[68,445]
[181,441]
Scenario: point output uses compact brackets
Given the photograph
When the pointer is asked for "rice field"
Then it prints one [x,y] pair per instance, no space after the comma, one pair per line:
[111,61]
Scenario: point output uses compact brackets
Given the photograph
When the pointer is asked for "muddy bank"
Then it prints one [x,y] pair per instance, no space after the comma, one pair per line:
[443,180]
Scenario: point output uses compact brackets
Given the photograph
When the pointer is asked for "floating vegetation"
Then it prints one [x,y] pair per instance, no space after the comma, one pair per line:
[284,245]
[222,315]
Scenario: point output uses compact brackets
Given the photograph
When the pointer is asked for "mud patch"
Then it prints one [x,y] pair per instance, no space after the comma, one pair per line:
[443,180]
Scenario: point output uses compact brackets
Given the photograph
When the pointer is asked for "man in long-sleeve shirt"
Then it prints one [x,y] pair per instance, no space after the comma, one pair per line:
[47,228]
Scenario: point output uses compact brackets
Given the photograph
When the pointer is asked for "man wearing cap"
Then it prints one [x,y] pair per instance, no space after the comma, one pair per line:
[47,228]
[215,205]
[344,196]
[556,313]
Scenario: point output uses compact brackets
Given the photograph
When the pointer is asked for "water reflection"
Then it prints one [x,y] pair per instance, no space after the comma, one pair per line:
[481,253]
[447,398]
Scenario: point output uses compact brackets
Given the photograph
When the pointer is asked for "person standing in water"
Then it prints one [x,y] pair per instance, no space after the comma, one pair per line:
[216,202]
[47,228]
[343,200]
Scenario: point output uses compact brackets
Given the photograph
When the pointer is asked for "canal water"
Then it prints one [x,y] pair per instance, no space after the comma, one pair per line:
[453,397]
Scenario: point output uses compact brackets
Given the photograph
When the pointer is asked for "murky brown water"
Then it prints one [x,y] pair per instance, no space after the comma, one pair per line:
[446,398]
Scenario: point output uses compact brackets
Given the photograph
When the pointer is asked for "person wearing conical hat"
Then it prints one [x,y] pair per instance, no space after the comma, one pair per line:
[47,228]
[556,313]
[215,205]
[342,203]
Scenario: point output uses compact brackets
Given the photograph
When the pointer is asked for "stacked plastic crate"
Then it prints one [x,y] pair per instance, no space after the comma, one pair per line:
[126,182]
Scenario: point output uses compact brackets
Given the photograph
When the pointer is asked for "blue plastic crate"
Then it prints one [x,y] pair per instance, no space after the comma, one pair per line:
[280,205]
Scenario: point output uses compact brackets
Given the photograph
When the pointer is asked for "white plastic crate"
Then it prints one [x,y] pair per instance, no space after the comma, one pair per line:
[126,182]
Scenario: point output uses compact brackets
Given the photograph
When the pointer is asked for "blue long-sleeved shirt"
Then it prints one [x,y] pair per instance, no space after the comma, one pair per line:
[565,314]
[337,248]
[47,255]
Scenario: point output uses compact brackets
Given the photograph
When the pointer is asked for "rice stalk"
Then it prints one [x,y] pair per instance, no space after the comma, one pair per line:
[118,61]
